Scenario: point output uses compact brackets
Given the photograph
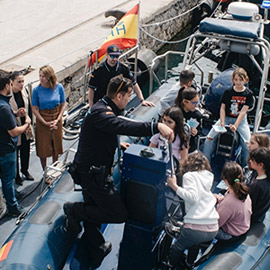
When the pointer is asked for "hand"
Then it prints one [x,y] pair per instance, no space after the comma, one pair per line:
[194,131]
[148,103]
[28,130]
[218,197]
[27,119]
[233,128]
[53,124]
[124,145]
[172,183]
[222,124]
[21,112]
[166,132]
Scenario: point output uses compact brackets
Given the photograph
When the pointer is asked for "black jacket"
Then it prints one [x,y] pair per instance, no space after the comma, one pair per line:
[98,137]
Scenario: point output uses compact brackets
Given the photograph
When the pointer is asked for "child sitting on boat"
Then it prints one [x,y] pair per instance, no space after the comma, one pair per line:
[233,112]
[234,208]
[188,100]
[201,218]
[173,118]
[260,189]
[256,140]
[186,79]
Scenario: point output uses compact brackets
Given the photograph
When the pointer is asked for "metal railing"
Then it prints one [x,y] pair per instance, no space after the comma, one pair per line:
[151,68]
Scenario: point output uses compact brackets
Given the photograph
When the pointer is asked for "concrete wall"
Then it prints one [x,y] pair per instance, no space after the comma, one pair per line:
[165,31]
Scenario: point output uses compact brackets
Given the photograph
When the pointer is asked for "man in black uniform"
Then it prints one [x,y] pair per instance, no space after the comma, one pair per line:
[108,69]
[97,145]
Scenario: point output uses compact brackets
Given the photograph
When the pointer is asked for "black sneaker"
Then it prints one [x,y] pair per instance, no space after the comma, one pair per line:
[15,211]
[171,230]
[72,225]
[102,251]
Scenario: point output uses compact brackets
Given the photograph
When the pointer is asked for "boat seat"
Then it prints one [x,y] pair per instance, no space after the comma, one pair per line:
[236,28]
[226,143]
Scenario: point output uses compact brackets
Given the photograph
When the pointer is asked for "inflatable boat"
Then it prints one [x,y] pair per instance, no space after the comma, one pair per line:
[41,241]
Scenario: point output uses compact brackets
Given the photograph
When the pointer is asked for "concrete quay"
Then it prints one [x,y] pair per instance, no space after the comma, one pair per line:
[61,33]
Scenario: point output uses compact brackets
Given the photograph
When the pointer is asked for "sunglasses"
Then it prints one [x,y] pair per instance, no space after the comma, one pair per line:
[123,80]
[193,102]
[114,56]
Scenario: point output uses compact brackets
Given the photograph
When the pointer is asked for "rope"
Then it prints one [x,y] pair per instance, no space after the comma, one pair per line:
[176,41]
[176,17]
[164,41]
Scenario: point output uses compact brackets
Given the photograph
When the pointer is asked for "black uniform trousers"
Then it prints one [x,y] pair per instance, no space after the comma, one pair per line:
[23,152]
[102,204]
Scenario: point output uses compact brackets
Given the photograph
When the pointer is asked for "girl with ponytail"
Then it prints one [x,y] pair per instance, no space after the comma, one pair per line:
[234,207]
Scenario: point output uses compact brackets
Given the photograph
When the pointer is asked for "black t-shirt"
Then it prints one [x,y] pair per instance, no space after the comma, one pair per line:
[20,103]
[198,116]
[7,122]
[101,76]
[260,196]
[234,101]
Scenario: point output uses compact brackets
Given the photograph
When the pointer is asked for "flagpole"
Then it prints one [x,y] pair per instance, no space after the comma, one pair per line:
[138,43]
[138,32]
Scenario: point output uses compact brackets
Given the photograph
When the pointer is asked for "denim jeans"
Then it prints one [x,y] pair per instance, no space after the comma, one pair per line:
[244,132]
[189,238]
[186,240]
[8,174]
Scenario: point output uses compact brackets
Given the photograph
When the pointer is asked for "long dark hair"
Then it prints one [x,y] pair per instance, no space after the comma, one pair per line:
[196,161]
[187,93]
[175,113]
[233,174]
[15,74]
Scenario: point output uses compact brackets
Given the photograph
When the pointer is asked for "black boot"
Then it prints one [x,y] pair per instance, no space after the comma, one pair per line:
[18,180]
[99,254]
[28,176]
[72,225]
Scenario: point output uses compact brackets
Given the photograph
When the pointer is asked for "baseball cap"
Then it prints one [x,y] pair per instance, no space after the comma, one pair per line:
[113,50]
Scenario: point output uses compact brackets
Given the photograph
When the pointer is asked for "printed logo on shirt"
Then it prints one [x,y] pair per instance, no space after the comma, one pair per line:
[236,101]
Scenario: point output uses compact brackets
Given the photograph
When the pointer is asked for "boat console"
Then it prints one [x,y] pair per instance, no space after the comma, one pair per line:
[143,186]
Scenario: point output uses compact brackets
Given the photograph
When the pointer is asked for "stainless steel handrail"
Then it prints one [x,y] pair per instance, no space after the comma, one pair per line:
[157,58]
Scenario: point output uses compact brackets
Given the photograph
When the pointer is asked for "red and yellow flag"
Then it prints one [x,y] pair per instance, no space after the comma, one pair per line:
[5,250]
[124,34]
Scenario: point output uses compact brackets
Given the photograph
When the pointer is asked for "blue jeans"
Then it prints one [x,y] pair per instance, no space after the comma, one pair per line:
[187,239]
[8,174]
[244,132]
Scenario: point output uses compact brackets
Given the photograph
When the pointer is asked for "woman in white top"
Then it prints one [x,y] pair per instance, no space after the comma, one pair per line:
[201,218]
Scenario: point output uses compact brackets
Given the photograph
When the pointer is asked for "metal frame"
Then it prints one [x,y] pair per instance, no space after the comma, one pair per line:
[192,56]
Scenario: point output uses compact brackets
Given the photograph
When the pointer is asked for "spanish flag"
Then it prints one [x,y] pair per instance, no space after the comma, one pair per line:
[5,250]
[124,34]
